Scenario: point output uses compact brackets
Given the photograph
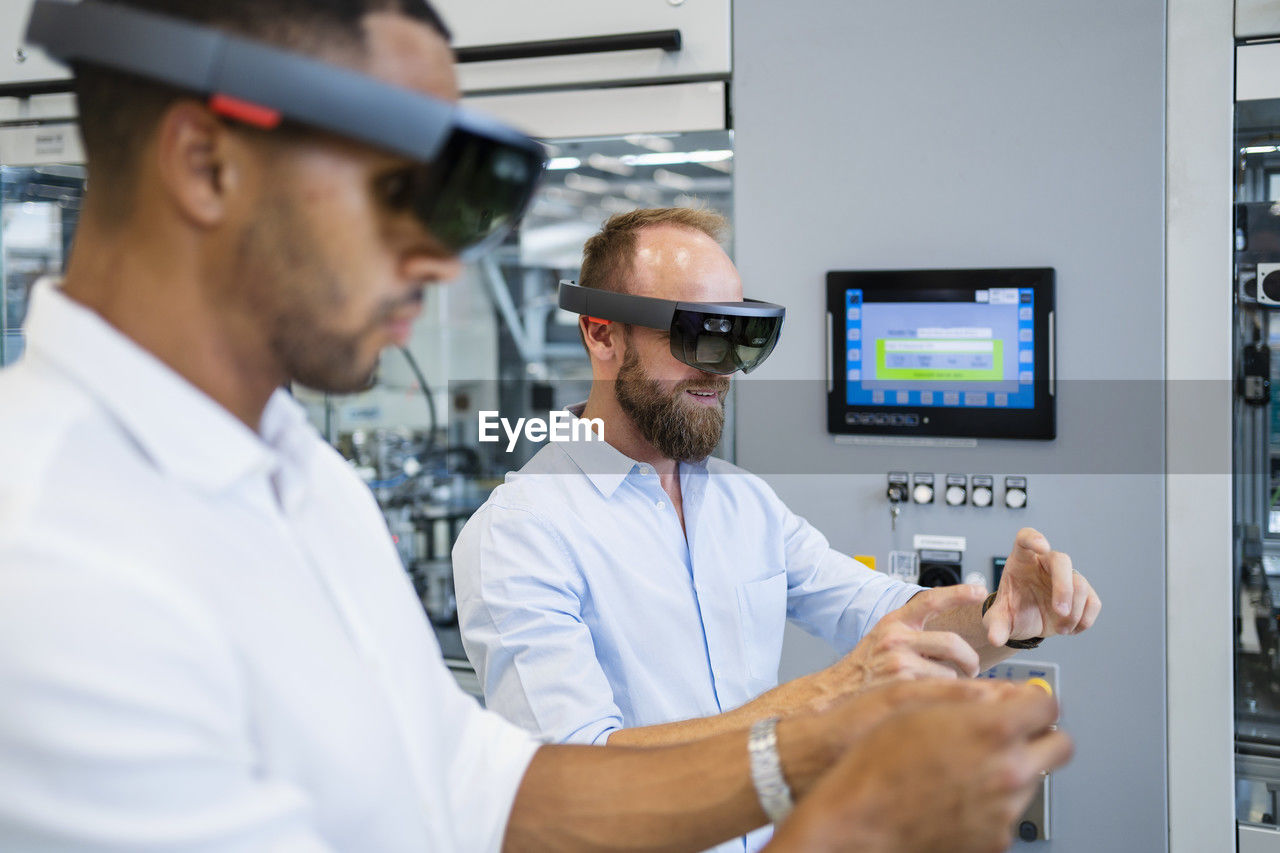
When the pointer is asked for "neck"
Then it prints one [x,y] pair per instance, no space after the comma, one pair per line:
[150,285]
[621,433]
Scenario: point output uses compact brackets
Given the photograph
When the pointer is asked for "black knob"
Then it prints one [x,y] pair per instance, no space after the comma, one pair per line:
[938,574]
[1028,831]
[1270,286]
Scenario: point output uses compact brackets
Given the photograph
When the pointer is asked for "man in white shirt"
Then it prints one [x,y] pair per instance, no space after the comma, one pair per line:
[634,591]
[206,639]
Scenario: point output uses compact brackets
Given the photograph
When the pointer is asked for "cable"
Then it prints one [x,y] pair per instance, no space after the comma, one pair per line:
[431,404]
[398,480]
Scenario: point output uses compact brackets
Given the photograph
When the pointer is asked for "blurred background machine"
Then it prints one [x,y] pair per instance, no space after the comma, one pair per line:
[1256,454]
[496,340]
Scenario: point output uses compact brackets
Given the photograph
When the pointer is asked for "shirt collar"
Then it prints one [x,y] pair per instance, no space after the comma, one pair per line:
[181,429]
[603,464]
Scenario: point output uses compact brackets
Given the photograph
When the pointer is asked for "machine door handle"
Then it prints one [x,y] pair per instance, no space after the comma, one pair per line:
[668,40]
[38,87]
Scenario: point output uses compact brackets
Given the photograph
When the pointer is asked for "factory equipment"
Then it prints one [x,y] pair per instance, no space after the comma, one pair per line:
[39,208]
[495,342]
[1256,453]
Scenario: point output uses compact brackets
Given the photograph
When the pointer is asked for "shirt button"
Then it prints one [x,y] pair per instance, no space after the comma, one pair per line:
[661,504]
[644,469]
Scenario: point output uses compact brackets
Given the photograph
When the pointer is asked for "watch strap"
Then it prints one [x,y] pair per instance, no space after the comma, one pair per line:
[766,770]
[1030,643]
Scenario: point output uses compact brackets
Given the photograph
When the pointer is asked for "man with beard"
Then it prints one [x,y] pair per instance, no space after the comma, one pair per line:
[207,641]
[634,590]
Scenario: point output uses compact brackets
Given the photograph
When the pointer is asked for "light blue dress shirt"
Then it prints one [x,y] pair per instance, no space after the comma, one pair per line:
[585,608]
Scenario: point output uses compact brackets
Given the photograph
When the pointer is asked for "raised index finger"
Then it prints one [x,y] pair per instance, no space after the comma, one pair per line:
[1063,578]
[1032,542]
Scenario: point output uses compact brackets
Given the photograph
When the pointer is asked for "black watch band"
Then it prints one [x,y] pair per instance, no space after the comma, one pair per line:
[1032,643]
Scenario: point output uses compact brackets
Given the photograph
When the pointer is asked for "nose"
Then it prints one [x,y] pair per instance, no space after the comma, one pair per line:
[430,268]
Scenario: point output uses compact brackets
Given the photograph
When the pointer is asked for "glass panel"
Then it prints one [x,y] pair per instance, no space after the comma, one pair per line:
[39,208]
[496,341]
[1257,461]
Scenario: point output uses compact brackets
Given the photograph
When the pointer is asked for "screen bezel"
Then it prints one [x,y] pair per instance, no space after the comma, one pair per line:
[1038,422]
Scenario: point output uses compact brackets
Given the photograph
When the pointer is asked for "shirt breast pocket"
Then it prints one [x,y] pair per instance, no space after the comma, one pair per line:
[762,609]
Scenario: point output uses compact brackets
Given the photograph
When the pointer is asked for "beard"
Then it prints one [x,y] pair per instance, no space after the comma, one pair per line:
[677,428]
[287,286]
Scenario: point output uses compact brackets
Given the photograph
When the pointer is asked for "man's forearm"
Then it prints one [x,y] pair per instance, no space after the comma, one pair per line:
[686,797]
[793,697]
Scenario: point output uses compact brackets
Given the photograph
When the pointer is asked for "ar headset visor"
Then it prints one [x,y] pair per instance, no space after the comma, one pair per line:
[716,337]
[475,176]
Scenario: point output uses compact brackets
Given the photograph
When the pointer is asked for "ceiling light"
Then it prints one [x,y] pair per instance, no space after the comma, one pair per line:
[650,141]
[643,193]
[676,158]
[612,165]
[613,204]
[674,180]
[587,184]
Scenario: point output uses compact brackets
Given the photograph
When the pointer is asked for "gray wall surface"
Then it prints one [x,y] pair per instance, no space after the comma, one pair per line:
[926,134]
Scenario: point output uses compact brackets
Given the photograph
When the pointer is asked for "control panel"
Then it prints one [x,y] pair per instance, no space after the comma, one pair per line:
[950,526]
[937,560]
[958,490]
[1034,825]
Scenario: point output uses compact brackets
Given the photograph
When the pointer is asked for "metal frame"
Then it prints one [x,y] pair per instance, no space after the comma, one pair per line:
[294,87]
[262,86]
[1198,138]
[668,41]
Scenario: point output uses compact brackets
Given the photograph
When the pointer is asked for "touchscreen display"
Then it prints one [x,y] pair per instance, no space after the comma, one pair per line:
[956,348]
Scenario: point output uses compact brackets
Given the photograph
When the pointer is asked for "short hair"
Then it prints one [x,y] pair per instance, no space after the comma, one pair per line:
[118,112]
[608,257]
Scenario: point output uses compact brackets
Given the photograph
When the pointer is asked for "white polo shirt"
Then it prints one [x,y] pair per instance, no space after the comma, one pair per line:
[207,641]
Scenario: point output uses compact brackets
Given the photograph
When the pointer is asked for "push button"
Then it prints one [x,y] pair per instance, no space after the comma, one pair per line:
[1015,492]
[922,488]
[983,490]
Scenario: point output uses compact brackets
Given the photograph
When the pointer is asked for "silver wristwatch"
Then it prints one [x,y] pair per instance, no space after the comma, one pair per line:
[766,770]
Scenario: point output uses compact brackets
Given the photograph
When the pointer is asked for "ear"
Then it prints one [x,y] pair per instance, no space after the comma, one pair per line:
[604,339]
[202,163]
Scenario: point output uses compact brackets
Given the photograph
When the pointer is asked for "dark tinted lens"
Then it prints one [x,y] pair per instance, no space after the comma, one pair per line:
[476,190]
[723,344]
[755,338]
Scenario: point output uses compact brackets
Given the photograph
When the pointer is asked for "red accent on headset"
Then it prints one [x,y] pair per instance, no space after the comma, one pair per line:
[597,320]
[245,111]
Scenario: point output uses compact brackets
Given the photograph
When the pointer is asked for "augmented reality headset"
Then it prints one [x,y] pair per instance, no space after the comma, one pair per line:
[716,337]
[475,176]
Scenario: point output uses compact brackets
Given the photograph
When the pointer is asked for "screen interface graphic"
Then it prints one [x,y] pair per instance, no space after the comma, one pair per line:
[966,348]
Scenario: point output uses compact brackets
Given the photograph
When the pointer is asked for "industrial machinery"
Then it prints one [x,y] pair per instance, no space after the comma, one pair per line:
[1256,458]
[495,342]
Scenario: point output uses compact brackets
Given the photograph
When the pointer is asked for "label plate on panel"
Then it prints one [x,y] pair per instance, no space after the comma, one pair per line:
[924,542]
